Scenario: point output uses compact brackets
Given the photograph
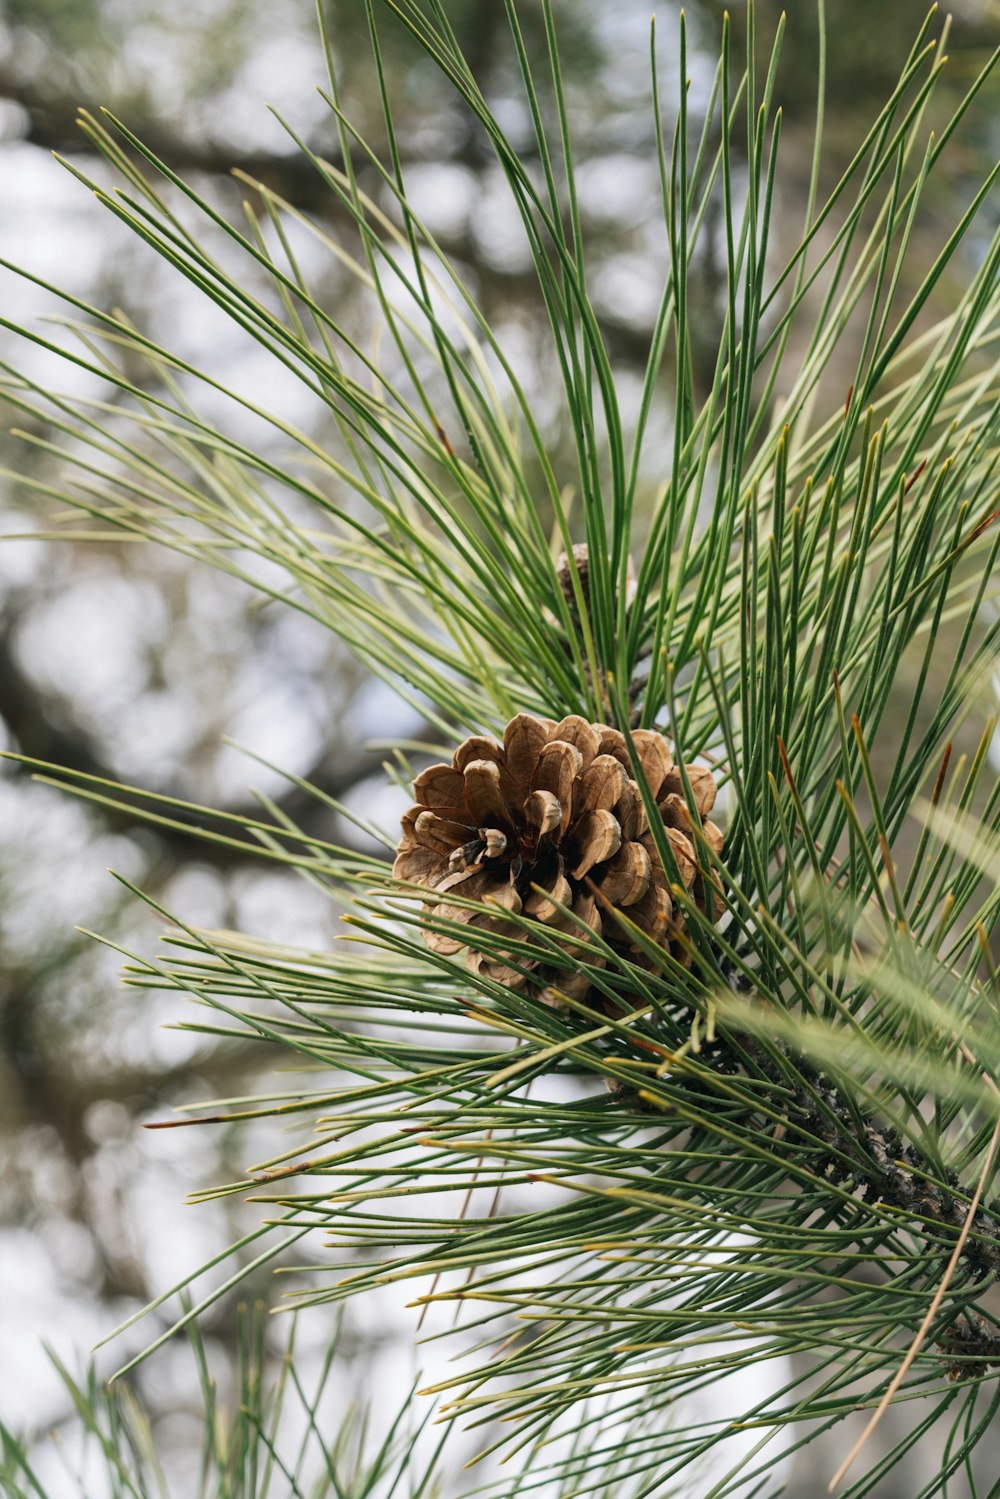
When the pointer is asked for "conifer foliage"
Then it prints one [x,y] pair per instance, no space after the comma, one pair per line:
[682,980]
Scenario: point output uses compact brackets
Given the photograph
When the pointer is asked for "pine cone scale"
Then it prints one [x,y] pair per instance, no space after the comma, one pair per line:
[602,784]
[543,812]
[597,837]
[541,903]
[556,768]
[581,735]
[523,739]
[484,800]
[630,813]
[476,748]
[627,877]
[441,787]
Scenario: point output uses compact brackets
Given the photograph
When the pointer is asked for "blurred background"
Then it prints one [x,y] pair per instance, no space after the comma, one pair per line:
[125,662]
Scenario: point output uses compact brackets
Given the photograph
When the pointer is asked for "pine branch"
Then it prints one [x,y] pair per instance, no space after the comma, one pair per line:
[805,554]
[871,1157]
[865,1155]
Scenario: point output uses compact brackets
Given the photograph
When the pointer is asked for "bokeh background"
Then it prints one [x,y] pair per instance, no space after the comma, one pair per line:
[126,662]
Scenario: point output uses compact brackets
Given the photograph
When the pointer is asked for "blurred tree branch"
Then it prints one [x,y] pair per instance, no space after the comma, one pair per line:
[42,729]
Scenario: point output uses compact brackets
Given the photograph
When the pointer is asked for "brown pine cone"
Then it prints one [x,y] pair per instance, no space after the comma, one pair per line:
[554,806]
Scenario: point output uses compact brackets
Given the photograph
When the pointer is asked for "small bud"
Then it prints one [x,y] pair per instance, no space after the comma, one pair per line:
[580,565]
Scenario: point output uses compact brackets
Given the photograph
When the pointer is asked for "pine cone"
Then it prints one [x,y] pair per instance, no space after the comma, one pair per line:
[555,806]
